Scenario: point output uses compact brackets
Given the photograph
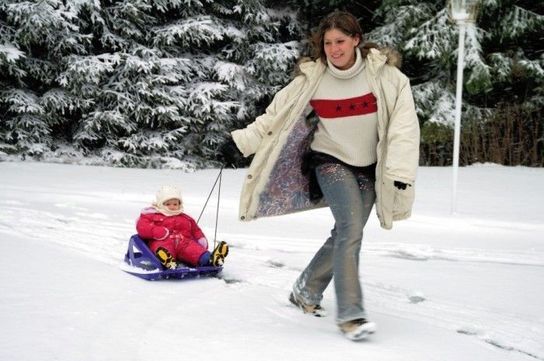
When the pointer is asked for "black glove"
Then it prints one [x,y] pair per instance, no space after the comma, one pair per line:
[400,185]
[229,154]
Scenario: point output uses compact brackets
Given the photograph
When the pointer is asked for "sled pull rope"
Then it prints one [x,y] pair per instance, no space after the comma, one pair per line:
[218,179]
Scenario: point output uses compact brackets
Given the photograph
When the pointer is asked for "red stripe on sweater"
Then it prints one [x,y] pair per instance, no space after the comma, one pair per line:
[340,108]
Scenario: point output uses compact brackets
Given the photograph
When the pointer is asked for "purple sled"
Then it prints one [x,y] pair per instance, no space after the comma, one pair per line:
[141,262]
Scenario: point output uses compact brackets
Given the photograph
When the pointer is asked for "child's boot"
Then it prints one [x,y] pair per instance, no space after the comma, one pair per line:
[166,258]
[219,253]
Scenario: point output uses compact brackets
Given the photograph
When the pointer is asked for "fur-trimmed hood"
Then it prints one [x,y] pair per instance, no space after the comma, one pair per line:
[394,58]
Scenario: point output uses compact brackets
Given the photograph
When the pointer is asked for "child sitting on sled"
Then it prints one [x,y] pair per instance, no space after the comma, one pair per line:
[174,236]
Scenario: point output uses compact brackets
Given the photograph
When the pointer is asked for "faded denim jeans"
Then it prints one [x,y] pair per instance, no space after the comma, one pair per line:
[350,195]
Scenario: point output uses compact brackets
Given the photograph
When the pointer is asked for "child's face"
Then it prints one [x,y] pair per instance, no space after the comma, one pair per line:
[172,204]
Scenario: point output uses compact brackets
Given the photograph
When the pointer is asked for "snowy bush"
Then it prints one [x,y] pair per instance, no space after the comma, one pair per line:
[142,82]
[138,83]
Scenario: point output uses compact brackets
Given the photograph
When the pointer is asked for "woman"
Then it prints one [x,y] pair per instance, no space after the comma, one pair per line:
[363,150]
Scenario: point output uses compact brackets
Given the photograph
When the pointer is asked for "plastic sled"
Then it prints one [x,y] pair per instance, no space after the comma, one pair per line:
[141,262]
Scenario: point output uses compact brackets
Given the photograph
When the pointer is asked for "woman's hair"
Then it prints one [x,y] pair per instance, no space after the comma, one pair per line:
[340,20]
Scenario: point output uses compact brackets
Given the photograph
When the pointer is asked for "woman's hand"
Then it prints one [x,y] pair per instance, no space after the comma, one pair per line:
[229,154]
[401,185]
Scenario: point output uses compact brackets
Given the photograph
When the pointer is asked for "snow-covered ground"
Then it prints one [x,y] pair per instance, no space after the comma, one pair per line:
[440,287]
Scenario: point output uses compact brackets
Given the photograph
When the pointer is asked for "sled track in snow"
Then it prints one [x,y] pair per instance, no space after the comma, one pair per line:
[498,329]
[95,235]
[86,232]
[495,327]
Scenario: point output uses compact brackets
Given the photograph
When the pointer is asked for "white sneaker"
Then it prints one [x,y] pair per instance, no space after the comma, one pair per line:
[358,329]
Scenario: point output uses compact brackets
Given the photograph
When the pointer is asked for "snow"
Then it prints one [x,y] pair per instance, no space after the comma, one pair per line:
[439,286]
[11,53]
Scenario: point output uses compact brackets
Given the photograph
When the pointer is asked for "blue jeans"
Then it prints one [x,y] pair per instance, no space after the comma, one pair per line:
[350,195]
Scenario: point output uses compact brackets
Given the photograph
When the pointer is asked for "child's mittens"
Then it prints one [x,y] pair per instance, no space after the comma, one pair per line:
[203,242]
[160,233]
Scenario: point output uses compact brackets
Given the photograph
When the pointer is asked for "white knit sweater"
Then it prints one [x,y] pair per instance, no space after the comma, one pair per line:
[347,127]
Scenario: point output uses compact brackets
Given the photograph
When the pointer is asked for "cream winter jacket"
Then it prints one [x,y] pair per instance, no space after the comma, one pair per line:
[274,184]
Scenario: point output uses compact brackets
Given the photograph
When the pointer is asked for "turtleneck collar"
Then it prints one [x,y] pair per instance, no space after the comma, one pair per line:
[355,69]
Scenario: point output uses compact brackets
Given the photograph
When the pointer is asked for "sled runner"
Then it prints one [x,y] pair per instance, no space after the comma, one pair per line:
[141,262]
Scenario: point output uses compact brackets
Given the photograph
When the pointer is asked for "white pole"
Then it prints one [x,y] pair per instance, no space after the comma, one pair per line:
[458,103]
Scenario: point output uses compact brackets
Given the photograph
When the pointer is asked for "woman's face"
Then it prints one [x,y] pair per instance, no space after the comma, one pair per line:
[340,48]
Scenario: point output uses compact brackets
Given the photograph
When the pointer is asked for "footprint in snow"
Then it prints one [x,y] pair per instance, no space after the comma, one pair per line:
[416,297]
[275,264]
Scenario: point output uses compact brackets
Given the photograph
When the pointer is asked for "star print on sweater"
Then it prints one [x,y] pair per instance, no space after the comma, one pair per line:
[338,108]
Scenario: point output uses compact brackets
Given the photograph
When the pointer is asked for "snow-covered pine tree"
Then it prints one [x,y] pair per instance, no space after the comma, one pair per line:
[168,79]
[312,11]
[504,68]
[11,75]
[34,110]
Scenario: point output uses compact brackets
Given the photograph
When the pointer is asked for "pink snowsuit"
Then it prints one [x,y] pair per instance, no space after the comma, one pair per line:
[178,234]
